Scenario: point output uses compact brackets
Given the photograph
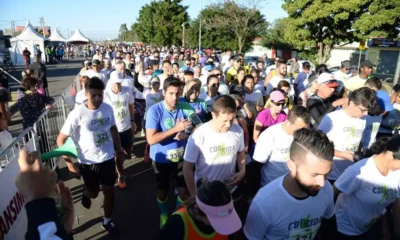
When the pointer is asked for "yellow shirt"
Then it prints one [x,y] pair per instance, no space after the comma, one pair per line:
[230,75]
[354,83]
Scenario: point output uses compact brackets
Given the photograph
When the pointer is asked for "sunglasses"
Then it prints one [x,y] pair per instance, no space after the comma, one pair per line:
[278,104]
[215,85]
[331,81]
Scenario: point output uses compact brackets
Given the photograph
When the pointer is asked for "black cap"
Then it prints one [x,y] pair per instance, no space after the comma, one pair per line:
[95,62]
[367,63]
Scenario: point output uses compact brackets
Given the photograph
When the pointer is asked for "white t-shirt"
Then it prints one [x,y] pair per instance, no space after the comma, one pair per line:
[214,154]
[223,88]
[372,124]
[272,149]
[341,76]
[225,61]
[80,98]
[209,100]
[345,132]
[106,74]
[275,215]
[365,195]
[162,79]
[120,104]
[5,140]
[254,99]
[151,99]
[91,132]
[92,73]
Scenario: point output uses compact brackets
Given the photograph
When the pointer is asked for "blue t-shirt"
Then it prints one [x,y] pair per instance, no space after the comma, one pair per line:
[383,99]
[200,107]
[300,81]
[160,119]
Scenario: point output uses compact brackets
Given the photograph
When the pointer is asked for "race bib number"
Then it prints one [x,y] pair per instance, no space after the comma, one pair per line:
[121,114]
[101,137]
[175,155]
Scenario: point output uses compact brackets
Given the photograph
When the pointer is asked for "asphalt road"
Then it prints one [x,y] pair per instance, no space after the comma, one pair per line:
[135,212]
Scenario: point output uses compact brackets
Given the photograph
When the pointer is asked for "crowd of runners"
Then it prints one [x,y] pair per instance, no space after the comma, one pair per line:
[255,152]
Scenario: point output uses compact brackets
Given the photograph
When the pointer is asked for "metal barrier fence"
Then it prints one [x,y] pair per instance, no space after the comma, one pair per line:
[45,130]
[13,150]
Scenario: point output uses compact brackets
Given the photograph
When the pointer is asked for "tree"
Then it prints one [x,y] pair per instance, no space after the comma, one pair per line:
[275,35]
[211,37]
[123,30]
[241,17]
[322,24]
[160,22]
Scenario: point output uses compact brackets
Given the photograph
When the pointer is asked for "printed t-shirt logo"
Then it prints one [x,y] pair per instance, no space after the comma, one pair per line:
[388,194]
[354,132]
[305,228]
[223,151]
[169,123]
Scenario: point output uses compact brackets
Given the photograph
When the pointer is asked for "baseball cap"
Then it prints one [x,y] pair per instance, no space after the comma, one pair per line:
[277,96]
[224,219]
[95,62]
[209,67]
[346,64]
[366,63]
[116,77]
[328,79]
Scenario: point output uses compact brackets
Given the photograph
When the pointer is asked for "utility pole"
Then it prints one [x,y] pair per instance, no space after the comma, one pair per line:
[183,35]
[42,24]
[201,8]
[13,28]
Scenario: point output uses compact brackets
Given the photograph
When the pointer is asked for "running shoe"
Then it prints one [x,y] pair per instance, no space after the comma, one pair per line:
[86,201]
[110,227]
[163,220]
[122,182]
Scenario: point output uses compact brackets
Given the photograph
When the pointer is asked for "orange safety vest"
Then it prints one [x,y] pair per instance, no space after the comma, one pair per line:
[191,230]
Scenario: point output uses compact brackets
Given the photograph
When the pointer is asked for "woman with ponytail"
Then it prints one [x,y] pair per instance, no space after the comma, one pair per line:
[366,189]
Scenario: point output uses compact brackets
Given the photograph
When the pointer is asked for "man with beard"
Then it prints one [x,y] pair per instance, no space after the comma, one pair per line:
[281,74]
[293,206]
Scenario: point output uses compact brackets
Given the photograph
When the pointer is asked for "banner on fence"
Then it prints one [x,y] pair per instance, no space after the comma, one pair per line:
[13,219]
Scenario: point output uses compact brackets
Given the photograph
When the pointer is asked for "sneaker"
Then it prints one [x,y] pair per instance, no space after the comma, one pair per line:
[122,182]
[163,220]
[86,201]
[110,227]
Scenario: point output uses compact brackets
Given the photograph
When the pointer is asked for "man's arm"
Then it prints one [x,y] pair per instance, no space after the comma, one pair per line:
[188,173]
[154,137]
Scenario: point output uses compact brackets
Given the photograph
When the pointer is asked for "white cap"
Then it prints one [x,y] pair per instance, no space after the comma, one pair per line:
[326,78]
[116,77]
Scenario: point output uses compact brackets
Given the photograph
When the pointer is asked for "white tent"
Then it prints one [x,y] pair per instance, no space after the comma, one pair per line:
[56,36]
[27,39]
[78,37]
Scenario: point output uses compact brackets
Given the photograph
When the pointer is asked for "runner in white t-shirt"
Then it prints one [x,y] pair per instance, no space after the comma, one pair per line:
[96,71]
[345,128]
[293,206]
[120,72]
[272,149]
[93,127]
[366,189]
[212,91]
[122,101]
[80,96]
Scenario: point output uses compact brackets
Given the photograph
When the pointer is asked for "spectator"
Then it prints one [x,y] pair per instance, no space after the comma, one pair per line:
[5,136]
[32,104]
[40,73]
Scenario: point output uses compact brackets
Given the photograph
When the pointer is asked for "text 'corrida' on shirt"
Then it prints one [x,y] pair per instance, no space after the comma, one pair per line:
[161,119]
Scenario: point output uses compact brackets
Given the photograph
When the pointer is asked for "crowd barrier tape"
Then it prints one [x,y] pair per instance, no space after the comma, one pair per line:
[41,137]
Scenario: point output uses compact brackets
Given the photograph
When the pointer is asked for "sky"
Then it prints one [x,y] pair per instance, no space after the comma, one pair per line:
[98,19]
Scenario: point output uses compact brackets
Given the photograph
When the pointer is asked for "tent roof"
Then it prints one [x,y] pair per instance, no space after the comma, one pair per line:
[56,36]
[29,33]
[78,37]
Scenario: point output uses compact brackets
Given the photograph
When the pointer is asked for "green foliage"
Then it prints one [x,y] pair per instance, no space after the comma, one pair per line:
[321,24]
[126,35]
[242,18]
[160,22]
[275,35]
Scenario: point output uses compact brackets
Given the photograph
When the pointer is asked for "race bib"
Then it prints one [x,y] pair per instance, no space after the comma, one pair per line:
[101,137]
[122,113]
[175,155]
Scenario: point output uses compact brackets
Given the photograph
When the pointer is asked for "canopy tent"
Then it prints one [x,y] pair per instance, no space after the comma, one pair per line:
[78,37]
[28,38]
[56,36]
